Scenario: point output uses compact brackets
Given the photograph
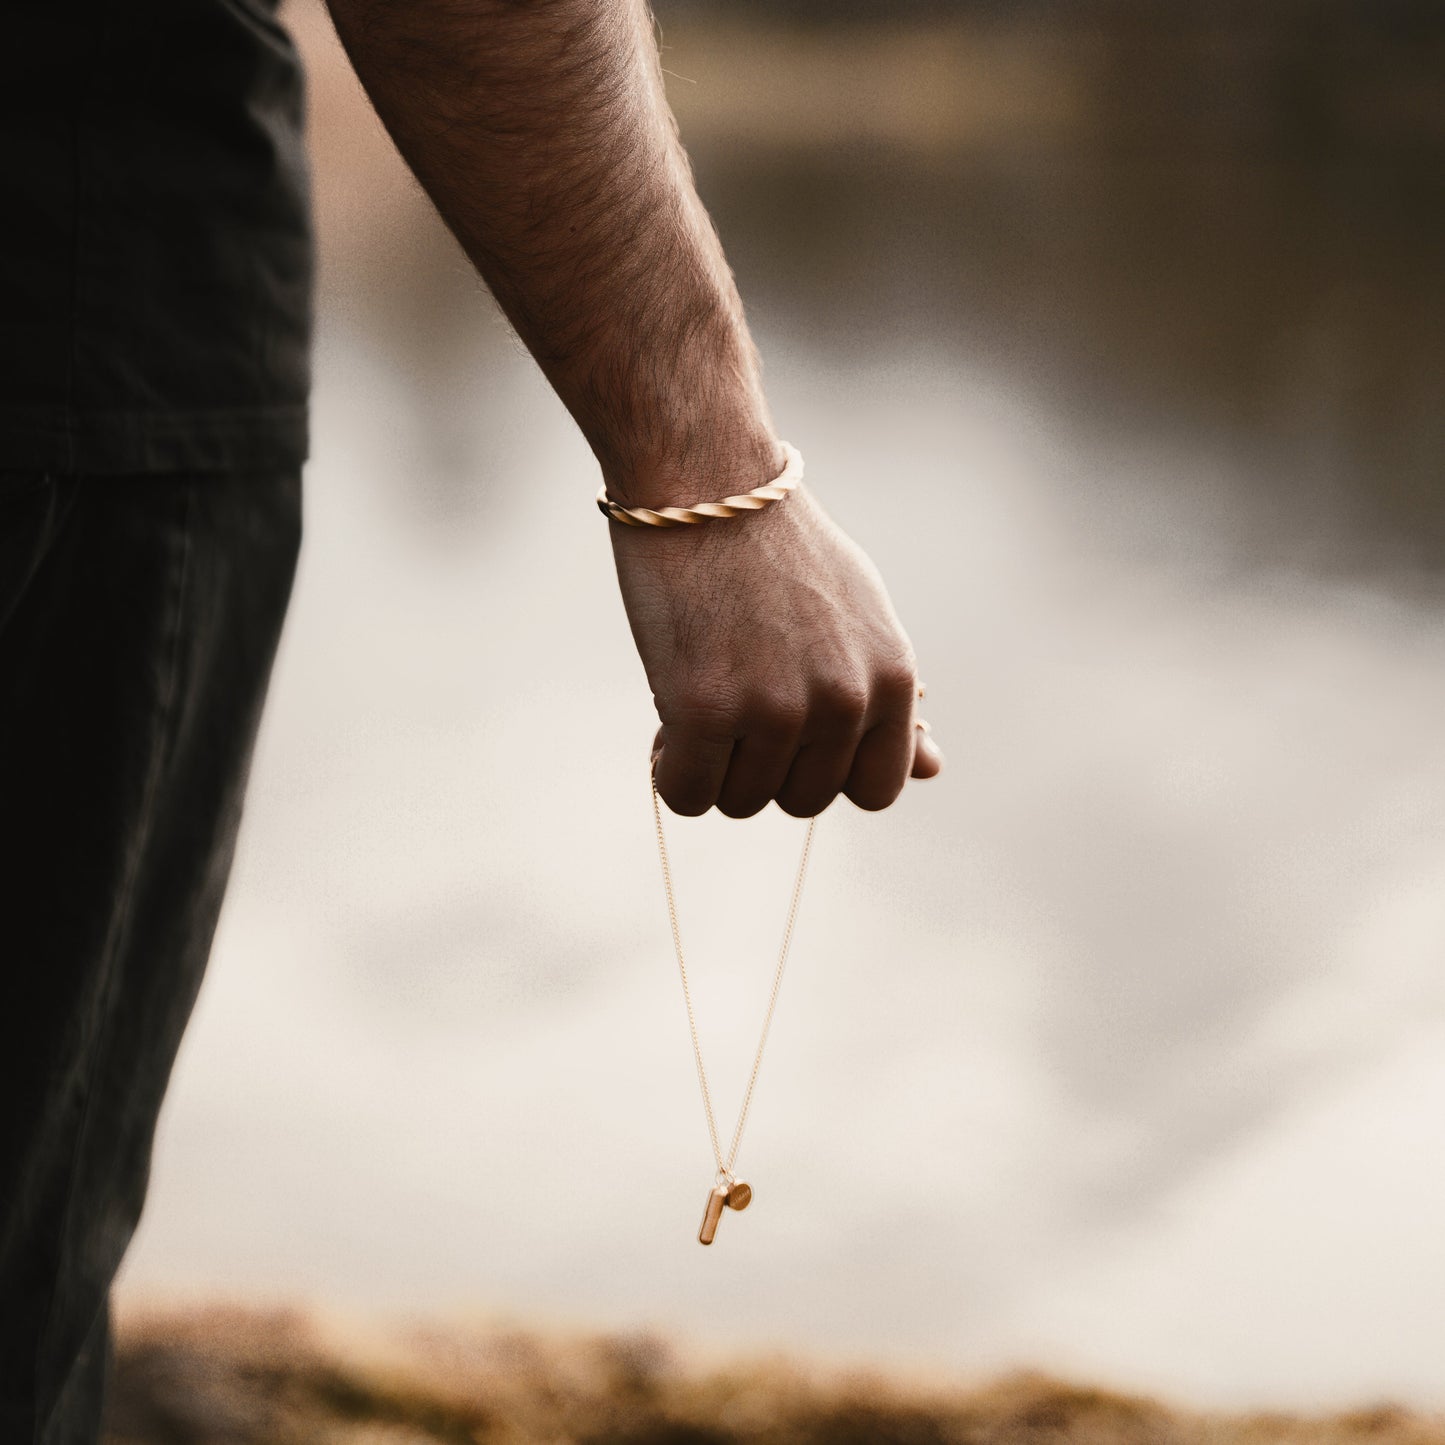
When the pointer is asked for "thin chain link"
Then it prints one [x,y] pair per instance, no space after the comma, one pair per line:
[725,1165]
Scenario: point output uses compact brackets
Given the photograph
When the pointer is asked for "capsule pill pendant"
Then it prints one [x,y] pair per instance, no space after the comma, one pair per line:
[717,1197]
[727,1191]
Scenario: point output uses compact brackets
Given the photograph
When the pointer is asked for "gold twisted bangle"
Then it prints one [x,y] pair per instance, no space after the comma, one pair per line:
[779,489]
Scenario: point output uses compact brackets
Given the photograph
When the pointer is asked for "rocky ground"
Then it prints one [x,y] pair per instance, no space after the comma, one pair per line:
[226,1376]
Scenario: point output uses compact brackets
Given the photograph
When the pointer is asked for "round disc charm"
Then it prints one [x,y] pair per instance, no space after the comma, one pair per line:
[740,1194]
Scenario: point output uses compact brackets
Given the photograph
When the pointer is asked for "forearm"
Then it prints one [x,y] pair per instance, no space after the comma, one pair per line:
[541,133]
[539,129]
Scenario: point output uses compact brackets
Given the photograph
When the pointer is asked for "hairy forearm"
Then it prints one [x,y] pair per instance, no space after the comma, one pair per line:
[540,130]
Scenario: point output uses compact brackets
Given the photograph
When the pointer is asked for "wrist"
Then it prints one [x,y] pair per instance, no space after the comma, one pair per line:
[700,466]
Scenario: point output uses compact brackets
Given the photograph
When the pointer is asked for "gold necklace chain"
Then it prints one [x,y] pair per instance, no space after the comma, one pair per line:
[728,1190]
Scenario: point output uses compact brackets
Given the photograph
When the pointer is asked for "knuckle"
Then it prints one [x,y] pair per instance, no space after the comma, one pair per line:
[841,701]
[701,713]
[774,715]
[898,680]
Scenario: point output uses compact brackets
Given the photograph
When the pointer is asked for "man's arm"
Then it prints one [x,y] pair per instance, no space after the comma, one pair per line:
[540,130]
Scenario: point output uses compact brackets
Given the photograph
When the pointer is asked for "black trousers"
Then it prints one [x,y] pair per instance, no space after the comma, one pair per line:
[138,621]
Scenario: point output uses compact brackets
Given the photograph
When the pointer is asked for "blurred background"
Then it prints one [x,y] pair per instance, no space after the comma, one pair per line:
[1119,1050]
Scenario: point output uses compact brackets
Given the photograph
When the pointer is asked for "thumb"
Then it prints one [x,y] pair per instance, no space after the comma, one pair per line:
[927,758]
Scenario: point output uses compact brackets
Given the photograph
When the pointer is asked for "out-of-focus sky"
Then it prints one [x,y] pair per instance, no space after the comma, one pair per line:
[1120,1049]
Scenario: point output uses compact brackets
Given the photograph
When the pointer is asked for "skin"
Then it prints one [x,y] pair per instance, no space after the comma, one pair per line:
[540,130]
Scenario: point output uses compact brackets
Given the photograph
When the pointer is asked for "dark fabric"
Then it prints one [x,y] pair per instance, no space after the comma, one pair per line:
[155,247]
[138,621]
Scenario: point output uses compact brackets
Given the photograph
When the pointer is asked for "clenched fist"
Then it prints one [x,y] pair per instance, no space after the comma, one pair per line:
[777,664]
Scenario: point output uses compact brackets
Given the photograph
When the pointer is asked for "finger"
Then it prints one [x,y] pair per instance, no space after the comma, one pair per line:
[819,773]
[881,764]
[690,769]
[757,769]
[837,719]
[927,756]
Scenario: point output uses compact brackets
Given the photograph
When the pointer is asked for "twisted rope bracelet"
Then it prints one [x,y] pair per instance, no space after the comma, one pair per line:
[779,489]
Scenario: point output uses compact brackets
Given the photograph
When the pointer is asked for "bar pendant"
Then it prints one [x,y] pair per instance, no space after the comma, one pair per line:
[717,1197]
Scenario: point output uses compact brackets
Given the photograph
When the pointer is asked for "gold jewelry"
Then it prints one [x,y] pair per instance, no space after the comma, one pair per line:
[922,691]
[779,489]
[728,1191]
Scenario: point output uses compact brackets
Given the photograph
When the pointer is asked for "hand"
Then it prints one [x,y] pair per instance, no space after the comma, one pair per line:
[776,662]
